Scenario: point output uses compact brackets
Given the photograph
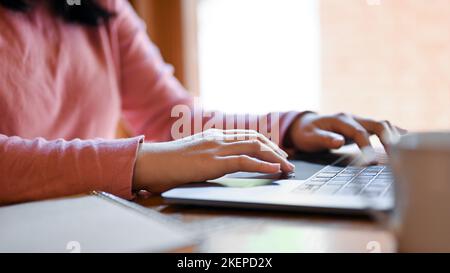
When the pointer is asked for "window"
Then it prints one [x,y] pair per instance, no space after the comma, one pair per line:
[259,55]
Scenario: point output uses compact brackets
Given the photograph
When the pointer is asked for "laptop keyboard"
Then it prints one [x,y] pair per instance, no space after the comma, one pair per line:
[372,181]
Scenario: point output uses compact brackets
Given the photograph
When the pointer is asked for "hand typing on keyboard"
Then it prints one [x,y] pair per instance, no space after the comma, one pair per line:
[314,133]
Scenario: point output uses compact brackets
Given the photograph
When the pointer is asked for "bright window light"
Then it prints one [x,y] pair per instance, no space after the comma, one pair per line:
[259,55]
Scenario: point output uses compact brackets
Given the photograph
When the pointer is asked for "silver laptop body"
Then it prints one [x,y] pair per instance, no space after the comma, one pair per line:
[317,186]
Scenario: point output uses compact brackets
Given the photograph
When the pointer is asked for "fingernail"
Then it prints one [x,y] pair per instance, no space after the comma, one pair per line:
[283,153]
[338,141]
[277,149]
[292,166]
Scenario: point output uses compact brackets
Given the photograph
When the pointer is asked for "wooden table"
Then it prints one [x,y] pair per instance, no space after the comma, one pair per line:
[228,230]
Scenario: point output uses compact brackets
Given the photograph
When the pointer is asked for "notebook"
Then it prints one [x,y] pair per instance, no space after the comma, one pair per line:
[89,224]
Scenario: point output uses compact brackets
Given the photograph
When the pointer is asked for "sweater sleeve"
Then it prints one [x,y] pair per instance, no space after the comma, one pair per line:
[39,169]
[151,93]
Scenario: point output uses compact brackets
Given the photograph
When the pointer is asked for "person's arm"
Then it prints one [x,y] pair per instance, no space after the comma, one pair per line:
[150,91]
[38,169]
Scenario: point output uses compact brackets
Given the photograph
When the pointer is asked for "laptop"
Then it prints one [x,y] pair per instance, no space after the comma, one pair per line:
[332,183]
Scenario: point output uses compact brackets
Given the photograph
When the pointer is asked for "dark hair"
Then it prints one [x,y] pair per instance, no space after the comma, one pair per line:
[85,12]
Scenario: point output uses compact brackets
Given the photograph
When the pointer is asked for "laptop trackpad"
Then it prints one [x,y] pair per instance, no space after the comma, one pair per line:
[303,171]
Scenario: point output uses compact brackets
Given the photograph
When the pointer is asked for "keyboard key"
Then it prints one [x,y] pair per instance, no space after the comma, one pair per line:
[367,174]
[329,189]
[383,182]
[353,172]
[306,188]
[343,178]
[355,186]
[334,169]
[383,179]
[315,183]
[358,183]
[364,178]
[326,175]
[346,175]
[348,191]
[337,182]
[318,179]
[370,192]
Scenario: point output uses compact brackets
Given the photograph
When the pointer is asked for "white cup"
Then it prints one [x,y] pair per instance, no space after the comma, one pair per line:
[421,217]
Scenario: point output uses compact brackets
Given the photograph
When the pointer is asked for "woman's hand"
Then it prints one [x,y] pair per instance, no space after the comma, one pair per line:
[206,156]
[314,133]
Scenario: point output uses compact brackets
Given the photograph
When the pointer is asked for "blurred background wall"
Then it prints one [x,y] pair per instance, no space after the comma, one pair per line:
[389,59]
